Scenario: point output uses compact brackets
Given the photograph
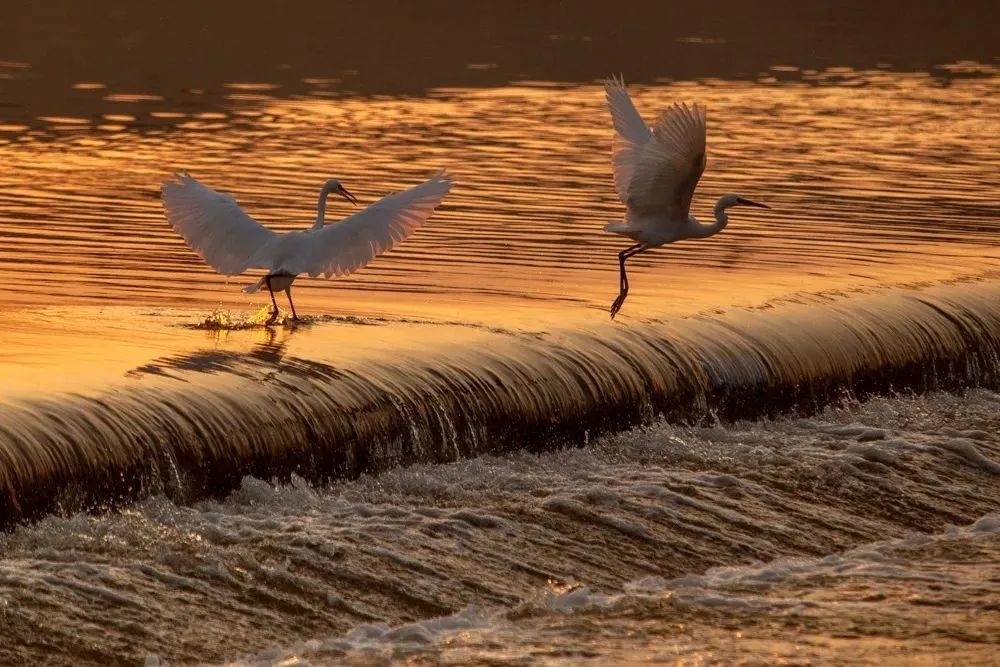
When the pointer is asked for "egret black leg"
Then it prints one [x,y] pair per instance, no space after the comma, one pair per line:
[274,313]
[623,282]
[288,292]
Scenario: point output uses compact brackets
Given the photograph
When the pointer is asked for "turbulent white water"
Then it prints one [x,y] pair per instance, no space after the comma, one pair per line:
[595,551]
[863,606]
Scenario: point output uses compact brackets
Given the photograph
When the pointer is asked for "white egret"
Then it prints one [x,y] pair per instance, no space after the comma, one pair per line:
[656,171]
[231,242]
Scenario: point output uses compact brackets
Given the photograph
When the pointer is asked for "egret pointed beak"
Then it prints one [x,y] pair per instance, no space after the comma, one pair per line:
[747,202]
[342,191]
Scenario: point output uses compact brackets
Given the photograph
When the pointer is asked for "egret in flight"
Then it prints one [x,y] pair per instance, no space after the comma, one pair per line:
[656,171]
[216,228]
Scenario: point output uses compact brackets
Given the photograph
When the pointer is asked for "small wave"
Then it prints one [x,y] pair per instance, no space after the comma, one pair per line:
[375,640]
[869,575]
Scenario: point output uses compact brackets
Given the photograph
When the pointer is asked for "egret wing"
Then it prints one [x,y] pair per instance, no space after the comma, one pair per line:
[631,134]
[667,169]
[213,225]
[343,248]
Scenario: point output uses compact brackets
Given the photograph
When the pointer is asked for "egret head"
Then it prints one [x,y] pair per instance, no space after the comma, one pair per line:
[333,185]
[731,200]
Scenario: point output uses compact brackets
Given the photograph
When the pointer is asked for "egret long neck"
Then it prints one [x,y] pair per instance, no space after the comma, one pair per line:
[321,209]
[721,219]
[702,231]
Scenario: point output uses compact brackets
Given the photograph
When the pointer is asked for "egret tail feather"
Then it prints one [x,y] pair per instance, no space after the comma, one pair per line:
[617,226]
[253,289]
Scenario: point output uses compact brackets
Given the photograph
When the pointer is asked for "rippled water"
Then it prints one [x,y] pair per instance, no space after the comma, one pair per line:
[875,177]
[437,467]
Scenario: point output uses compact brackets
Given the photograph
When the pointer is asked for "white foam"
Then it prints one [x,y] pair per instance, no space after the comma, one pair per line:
[375,639]
[866,560]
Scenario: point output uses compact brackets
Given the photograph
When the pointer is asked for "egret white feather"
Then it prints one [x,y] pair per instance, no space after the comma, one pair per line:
[345,247]
[656,172]
[667,170]
[214,225]
[630,134]
[231,242]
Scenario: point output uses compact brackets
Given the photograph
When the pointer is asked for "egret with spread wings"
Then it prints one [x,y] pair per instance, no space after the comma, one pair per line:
[231,242]
[656,171]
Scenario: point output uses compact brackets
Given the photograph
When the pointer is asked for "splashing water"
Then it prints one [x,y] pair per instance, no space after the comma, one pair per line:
[227,320]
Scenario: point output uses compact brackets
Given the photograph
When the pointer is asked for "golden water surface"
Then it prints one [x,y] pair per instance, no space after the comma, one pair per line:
[875,178]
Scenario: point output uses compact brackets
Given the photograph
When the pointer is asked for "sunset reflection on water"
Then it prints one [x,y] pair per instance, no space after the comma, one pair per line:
[874,178]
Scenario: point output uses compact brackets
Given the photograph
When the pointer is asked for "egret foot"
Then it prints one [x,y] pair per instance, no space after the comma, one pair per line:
[274,313]
[623,282]
[617,305]
[288,293]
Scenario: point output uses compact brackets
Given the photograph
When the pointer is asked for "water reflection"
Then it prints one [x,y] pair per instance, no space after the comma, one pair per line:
[391,47]
[890,186]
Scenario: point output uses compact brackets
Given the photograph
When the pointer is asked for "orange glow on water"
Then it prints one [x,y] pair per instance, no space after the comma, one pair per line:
[867,189]
[884,188]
